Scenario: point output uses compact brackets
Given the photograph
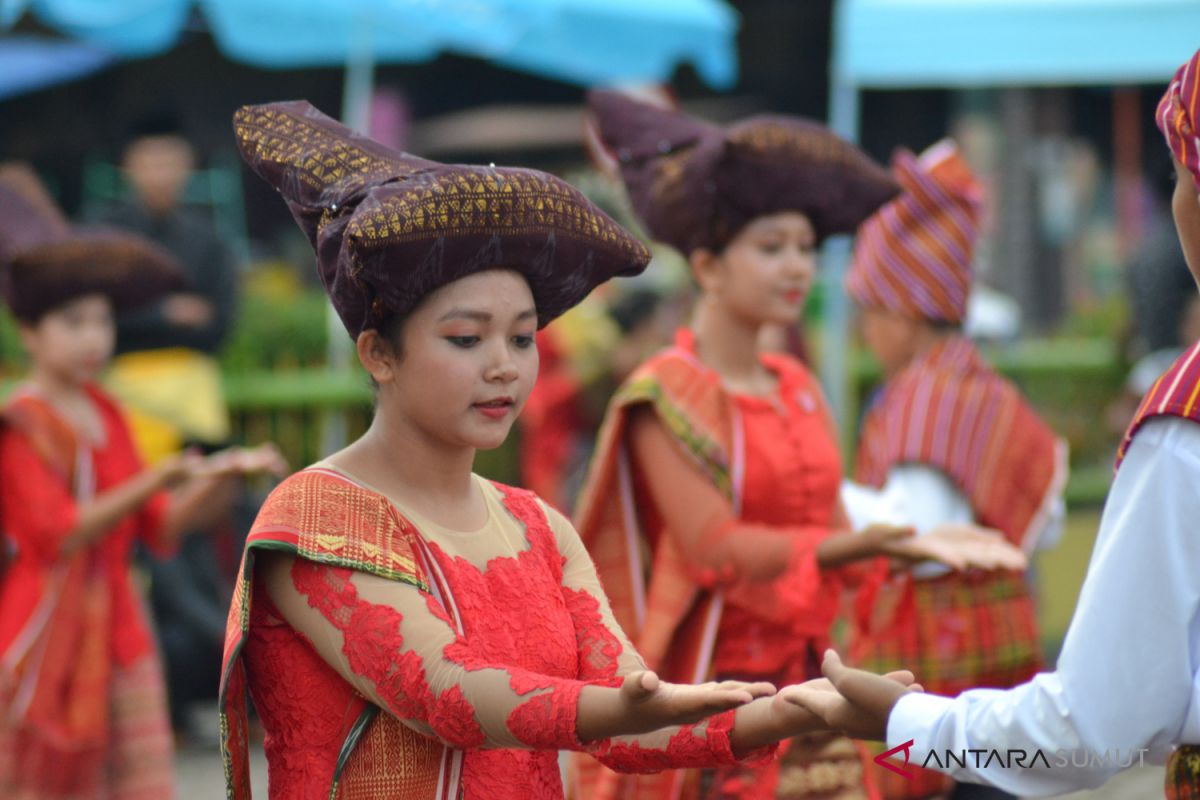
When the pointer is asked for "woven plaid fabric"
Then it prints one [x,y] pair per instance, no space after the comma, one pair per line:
[1183,774]
[332,521]
[1178,116]
[955,633]
[1175,394]
[950,411]
[659,615]
[136,762]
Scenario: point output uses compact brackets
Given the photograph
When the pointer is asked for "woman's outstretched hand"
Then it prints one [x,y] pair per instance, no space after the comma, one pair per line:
[645,703]
[662,704]
[853,701]
[962,547]
[265,458]
[795,711]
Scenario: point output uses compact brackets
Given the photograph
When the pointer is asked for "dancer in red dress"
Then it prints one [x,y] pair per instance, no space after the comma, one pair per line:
[406,628]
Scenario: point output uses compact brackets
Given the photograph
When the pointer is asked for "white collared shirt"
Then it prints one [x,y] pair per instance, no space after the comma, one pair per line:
[1126,683]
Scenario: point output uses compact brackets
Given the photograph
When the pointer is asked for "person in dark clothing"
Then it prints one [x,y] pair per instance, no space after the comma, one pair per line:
[157,163]
[166,372]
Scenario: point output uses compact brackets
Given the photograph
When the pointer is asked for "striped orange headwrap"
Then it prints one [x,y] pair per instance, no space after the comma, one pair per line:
[914,255]
[1179,115]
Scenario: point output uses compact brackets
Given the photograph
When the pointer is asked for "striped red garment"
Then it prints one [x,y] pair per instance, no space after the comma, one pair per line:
[914,255]
[951,411]
[1179,115]
[1175,394]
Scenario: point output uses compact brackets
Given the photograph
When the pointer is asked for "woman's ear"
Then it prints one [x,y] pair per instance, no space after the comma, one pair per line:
[376,355]
[706,269]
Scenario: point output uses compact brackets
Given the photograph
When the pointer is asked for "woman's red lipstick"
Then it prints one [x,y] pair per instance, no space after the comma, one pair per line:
[496,408]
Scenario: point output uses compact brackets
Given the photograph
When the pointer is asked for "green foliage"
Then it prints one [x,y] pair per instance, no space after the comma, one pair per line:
[1108,317]
[278,331]
[13,361]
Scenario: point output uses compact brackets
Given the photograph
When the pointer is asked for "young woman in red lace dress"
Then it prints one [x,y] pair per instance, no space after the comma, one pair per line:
[406,628]
[712,505]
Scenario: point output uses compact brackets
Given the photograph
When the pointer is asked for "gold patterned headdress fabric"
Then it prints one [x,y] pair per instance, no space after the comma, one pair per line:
[389,227]
[696,185]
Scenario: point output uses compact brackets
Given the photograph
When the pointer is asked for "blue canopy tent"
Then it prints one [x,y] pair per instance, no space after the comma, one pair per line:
[586,42]
[29,63]
[908,44]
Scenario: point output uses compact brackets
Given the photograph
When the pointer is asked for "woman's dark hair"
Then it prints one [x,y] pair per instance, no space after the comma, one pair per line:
[391,330]
[633,308]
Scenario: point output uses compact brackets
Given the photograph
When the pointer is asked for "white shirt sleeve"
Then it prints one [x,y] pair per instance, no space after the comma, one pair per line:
[1125,687]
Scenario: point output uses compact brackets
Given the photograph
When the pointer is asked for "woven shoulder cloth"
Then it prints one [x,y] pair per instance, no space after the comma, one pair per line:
[951,411]
[1175,394]
[322,516]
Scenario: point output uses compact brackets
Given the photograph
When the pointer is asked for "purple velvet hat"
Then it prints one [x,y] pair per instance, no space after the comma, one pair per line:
[695,184]
[46,262]
[388,227]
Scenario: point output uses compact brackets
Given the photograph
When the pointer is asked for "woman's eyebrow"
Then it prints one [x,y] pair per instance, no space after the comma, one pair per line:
[466,313]
[481,316]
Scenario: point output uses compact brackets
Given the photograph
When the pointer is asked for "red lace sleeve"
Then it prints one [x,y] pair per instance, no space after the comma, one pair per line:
[705,744]
[396,645]
[605,653]
[400,647]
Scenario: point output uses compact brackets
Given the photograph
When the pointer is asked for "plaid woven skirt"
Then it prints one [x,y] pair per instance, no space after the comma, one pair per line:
[955,633]
[1183,774]
[136,762]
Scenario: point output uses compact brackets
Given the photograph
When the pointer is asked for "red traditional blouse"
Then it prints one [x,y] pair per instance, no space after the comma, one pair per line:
[486,655]
[38,507]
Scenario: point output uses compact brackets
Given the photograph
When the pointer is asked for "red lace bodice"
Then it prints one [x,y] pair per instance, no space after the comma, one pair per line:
[494,667]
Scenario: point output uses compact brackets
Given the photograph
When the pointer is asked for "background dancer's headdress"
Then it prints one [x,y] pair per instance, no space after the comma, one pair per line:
[696,185]
[914,255]
[46,262]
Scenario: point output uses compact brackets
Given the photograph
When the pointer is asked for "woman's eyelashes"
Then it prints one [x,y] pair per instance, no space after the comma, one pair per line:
[521,341]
